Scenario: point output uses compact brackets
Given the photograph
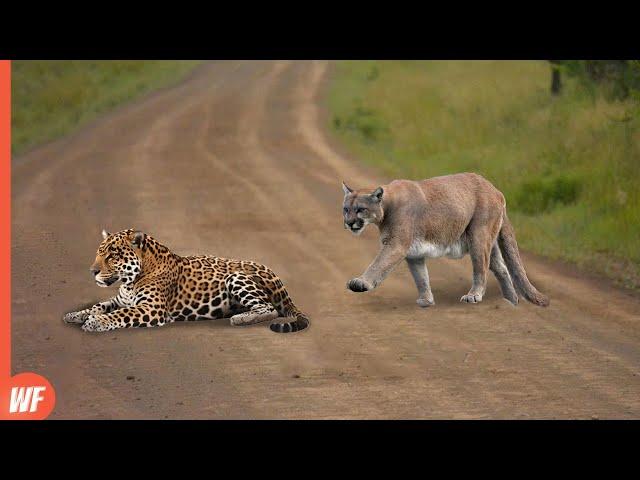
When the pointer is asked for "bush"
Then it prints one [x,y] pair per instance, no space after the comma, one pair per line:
[543,195]
[618,79]
[364,122]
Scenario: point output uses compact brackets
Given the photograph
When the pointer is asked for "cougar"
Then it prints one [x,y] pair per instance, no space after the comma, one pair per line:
[447,216]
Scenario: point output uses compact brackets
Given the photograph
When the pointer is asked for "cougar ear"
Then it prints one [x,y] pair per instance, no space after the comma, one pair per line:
[377,194]
[105,234]
[346,189]
[137,239]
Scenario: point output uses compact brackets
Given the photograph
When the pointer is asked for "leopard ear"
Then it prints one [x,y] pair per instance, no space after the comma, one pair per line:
[377,194]
[137,239]
[105,234]
[346,189]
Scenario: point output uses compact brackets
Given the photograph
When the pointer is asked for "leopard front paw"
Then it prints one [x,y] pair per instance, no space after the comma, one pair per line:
[94,324]
[75,317]
[359,285]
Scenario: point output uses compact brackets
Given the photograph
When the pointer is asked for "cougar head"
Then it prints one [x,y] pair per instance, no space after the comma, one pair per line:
[361,207]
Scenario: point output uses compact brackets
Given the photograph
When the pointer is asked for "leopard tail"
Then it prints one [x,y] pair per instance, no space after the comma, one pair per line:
[289,310]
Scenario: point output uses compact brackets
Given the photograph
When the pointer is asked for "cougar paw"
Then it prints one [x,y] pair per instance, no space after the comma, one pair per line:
[425,302]
[512,299]
[359,285]
[471,298]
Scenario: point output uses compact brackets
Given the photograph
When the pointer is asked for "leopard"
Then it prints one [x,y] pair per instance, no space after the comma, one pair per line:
[446,216]
[159,287]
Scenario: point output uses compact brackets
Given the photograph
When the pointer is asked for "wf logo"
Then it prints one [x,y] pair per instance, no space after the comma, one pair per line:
[26,396]
[23,398]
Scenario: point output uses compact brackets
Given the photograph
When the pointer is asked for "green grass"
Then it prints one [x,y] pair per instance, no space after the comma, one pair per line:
[52,98]
[568,165]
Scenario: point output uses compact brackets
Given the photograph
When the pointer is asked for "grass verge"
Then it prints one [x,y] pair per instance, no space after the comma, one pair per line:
[568,165]
[51,98]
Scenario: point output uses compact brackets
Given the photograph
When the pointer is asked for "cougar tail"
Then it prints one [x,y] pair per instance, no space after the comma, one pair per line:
[509,247]
[289,310]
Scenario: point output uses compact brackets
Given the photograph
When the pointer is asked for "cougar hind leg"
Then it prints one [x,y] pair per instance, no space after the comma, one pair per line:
[499,269]
[480,244]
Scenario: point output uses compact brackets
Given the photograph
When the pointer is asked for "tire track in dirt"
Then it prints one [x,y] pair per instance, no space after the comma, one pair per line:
[250,125]
[380,360]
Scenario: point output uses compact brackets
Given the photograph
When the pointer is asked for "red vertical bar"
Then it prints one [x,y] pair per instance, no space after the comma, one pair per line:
[28,379]
[5,218]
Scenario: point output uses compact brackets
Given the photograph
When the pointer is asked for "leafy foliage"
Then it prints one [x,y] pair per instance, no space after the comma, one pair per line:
[618,79]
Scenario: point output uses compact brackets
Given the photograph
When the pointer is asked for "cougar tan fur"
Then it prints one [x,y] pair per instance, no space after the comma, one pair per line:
[447,216]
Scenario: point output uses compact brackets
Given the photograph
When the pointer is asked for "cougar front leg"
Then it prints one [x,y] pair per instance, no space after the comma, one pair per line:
[102,307]
[418,268]
[142,315]
[480,251]
[388,257]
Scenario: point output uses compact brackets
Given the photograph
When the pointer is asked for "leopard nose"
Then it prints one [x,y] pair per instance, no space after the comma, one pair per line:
[95,271]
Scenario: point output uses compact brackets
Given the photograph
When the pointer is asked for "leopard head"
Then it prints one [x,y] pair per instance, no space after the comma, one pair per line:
[119,257]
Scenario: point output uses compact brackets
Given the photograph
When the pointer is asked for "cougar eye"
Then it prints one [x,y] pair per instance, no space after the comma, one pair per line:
[361,210]
[345,210]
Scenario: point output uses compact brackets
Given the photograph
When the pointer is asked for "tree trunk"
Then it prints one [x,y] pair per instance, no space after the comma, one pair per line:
[556,84]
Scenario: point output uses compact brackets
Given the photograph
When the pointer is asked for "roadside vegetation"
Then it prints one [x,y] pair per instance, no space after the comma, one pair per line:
[567,160]
[52,98]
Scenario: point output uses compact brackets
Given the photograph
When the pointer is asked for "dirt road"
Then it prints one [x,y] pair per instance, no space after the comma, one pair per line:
[234,162]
